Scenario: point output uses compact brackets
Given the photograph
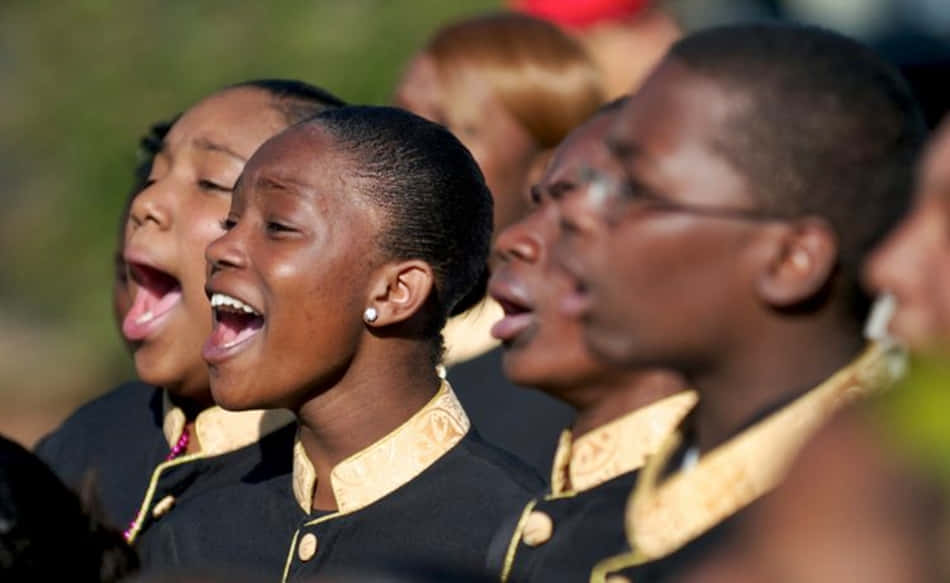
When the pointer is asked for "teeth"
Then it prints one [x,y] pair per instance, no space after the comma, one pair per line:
[219,300]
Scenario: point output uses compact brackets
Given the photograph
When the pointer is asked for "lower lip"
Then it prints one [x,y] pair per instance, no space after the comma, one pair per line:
[138,330]
[214,353]
[509,327]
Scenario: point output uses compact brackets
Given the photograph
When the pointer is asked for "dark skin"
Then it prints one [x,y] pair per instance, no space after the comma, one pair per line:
[170,223]
[671,271]
[544,348]
[301,250]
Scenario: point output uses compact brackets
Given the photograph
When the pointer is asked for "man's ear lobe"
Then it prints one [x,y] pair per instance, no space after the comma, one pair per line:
[399,291]
[804,261]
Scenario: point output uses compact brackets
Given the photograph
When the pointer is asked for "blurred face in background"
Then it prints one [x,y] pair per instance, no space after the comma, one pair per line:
[468,107]
[544,348]
[655,279]
[912,263]
[173,219]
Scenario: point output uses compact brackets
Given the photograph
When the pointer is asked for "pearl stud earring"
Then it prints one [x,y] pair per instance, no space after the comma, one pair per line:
[370,315]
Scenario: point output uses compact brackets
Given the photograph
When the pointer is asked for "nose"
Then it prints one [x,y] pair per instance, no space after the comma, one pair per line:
[152,204]
[519,242]
[225,252]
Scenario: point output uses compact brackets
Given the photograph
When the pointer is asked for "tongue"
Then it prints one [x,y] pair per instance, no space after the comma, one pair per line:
[147,305]
[233,328]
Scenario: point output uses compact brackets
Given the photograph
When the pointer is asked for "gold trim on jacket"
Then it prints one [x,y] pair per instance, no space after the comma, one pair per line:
[604,453]
[617,447]
[389,463]
[219,431]
[663,515]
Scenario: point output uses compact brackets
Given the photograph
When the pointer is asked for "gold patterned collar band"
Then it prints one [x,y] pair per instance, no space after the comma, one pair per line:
[219,431]
[662,516]
[618,447]
[391,462]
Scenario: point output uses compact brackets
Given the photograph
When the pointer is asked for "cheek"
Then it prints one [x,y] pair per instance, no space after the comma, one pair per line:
[204,226]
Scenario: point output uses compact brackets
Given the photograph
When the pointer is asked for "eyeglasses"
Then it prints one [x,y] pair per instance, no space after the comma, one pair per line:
[613,198]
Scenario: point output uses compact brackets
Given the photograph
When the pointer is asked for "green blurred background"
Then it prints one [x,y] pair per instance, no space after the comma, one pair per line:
[82,80]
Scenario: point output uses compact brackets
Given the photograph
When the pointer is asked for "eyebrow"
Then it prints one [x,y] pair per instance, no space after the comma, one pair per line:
[283,184]
[206,144]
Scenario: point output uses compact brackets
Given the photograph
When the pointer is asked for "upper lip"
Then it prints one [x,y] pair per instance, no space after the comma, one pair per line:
[509,293]
[134,256]
[210,290]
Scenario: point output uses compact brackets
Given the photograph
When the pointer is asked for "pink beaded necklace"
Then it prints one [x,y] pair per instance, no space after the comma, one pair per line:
[176,451]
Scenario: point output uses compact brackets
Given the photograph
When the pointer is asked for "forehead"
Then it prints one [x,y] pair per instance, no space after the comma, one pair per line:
[303,156]
[675,108]
[673,130]
[583,148]
[239,119]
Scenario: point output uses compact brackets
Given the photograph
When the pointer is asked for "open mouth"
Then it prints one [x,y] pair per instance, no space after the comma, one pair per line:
[158,293]
[234,323]
[518,317]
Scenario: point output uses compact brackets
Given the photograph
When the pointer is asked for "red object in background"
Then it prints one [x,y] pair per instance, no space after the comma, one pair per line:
[579,13]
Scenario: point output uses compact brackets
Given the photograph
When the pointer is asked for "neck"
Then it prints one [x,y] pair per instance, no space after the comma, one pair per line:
[191,404]
[769,370]
[378,393]
[618,397]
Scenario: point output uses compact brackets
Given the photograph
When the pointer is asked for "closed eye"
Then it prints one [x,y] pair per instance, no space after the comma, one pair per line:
[204,184]
[276,227]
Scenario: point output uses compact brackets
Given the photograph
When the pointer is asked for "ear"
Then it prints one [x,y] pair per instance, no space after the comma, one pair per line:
[399,291]
[804,259]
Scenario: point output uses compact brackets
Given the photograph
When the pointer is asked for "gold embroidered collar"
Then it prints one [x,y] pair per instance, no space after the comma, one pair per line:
[617,447]
[391,462]
[219,431]
[662,516]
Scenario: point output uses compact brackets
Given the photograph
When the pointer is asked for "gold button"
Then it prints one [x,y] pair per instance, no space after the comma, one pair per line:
[538,529]
[163,506]
[617,579]
[307,547]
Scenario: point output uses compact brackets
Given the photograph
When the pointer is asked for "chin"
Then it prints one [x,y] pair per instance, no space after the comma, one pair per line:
[157,376]
[612,347]
[230,396]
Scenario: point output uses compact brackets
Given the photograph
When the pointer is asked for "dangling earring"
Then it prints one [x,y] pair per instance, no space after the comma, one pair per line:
[370,315]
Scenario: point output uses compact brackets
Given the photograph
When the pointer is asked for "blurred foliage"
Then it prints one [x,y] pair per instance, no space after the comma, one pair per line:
[914,415]
[82,80]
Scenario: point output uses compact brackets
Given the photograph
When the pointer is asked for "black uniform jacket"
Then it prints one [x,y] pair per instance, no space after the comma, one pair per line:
[562,535]
[431,492]
[681,510]
[519,420]
[197,510]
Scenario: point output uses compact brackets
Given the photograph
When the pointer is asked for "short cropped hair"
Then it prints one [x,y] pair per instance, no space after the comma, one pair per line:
[827,128]
[432,192]
[542,77]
